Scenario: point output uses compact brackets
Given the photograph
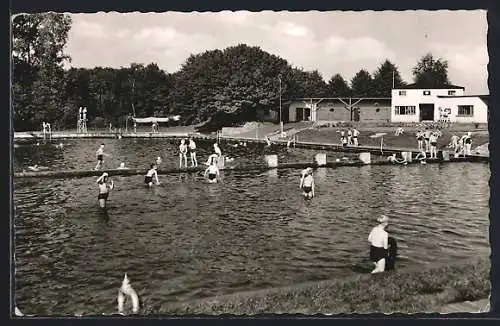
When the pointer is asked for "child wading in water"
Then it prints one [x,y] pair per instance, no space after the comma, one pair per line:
[148,178]
[307,183]
[379,244]
[212,173]
[104,189]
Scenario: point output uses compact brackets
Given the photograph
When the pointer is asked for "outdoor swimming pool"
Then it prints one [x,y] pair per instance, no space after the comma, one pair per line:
[187,239]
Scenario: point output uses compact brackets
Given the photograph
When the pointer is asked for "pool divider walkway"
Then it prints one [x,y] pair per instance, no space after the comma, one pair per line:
[249,167]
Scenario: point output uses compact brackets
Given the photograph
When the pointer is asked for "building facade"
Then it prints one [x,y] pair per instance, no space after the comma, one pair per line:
[411,104]
[340,109]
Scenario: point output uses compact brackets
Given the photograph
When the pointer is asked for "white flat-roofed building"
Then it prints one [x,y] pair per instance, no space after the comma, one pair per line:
[416,104]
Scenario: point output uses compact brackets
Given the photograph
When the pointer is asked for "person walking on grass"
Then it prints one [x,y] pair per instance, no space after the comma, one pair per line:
[379,244]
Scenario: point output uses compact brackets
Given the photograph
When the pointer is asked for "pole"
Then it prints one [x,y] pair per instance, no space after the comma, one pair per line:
[393,80]
[281,113]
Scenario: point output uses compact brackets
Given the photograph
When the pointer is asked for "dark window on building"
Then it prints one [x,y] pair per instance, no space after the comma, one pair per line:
[465,111]
[405,110]
[450,93]
[402,93]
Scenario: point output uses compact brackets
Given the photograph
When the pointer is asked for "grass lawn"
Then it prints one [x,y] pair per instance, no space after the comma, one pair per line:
[408,291]
[406,140]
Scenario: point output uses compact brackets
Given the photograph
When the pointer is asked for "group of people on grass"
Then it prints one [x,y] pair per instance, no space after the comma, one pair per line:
[349,137]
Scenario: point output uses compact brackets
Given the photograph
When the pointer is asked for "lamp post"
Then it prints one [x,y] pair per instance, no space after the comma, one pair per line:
[281,113]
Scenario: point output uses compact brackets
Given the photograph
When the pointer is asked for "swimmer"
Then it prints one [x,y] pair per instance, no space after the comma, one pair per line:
[212,173]
[422,156]
[192,152]
[393,159]
[126,290]
[158,161]
[104,189]
[36,168]
[379,244]
[182,153]
[343,139]
[122,166]
[454,143]
[100,156]
[214,158]
[60,145]
[148,178]
[349,137]
[307,183]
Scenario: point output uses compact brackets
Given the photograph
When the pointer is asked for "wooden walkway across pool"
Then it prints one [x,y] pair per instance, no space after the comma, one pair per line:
[199,169]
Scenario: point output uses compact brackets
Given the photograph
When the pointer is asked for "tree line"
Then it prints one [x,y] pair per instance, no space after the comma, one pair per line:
[232,84]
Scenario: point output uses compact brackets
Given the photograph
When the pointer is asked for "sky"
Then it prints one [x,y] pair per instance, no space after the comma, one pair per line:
[330,42]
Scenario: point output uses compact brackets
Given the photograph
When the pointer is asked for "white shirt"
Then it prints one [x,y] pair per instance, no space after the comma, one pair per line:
[379,237]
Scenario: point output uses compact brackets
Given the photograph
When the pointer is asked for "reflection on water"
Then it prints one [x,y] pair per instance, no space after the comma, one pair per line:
[187,239]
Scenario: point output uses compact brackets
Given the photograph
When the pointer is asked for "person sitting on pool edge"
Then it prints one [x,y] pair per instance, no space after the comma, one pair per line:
[212,172]
[379,244]
[104,189]
[307,183]
[148,178]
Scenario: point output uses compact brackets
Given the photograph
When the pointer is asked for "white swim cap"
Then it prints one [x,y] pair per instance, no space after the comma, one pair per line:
[105,174]
[383,219]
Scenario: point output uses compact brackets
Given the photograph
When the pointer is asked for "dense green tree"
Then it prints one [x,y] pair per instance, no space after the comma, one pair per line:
[384,78]
[430,72]
[338,87]
[362,84]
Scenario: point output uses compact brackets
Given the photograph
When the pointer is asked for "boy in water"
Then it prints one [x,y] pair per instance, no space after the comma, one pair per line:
[182,153]
[307,183]
[379,244]
[104,189]
[212,173]
[148,178]
[100,156]
[192,152]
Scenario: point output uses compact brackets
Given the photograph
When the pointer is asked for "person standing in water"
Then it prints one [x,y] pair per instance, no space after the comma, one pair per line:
[212,173]
[192,152]
[379,244]
[307,183]
[104,189]
[182,153]
[148,178]
[100,156]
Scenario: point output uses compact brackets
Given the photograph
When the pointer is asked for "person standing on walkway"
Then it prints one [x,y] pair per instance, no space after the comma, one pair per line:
[100,156]
[192,152]
[349,137]
[420,139]
[427,136]
[379,244]
[467,144]
[355,134]
[433,144]
[182,153]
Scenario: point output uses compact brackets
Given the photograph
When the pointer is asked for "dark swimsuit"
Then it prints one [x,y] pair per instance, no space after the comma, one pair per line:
[103,196]
[148,179]
[468,141]
[307,189]
[211,176]
[377,253]
[433,143]
[99,157]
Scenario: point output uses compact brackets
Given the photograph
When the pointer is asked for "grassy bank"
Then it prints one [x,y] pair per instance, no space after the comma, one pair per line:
[407,291]
[406,140]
